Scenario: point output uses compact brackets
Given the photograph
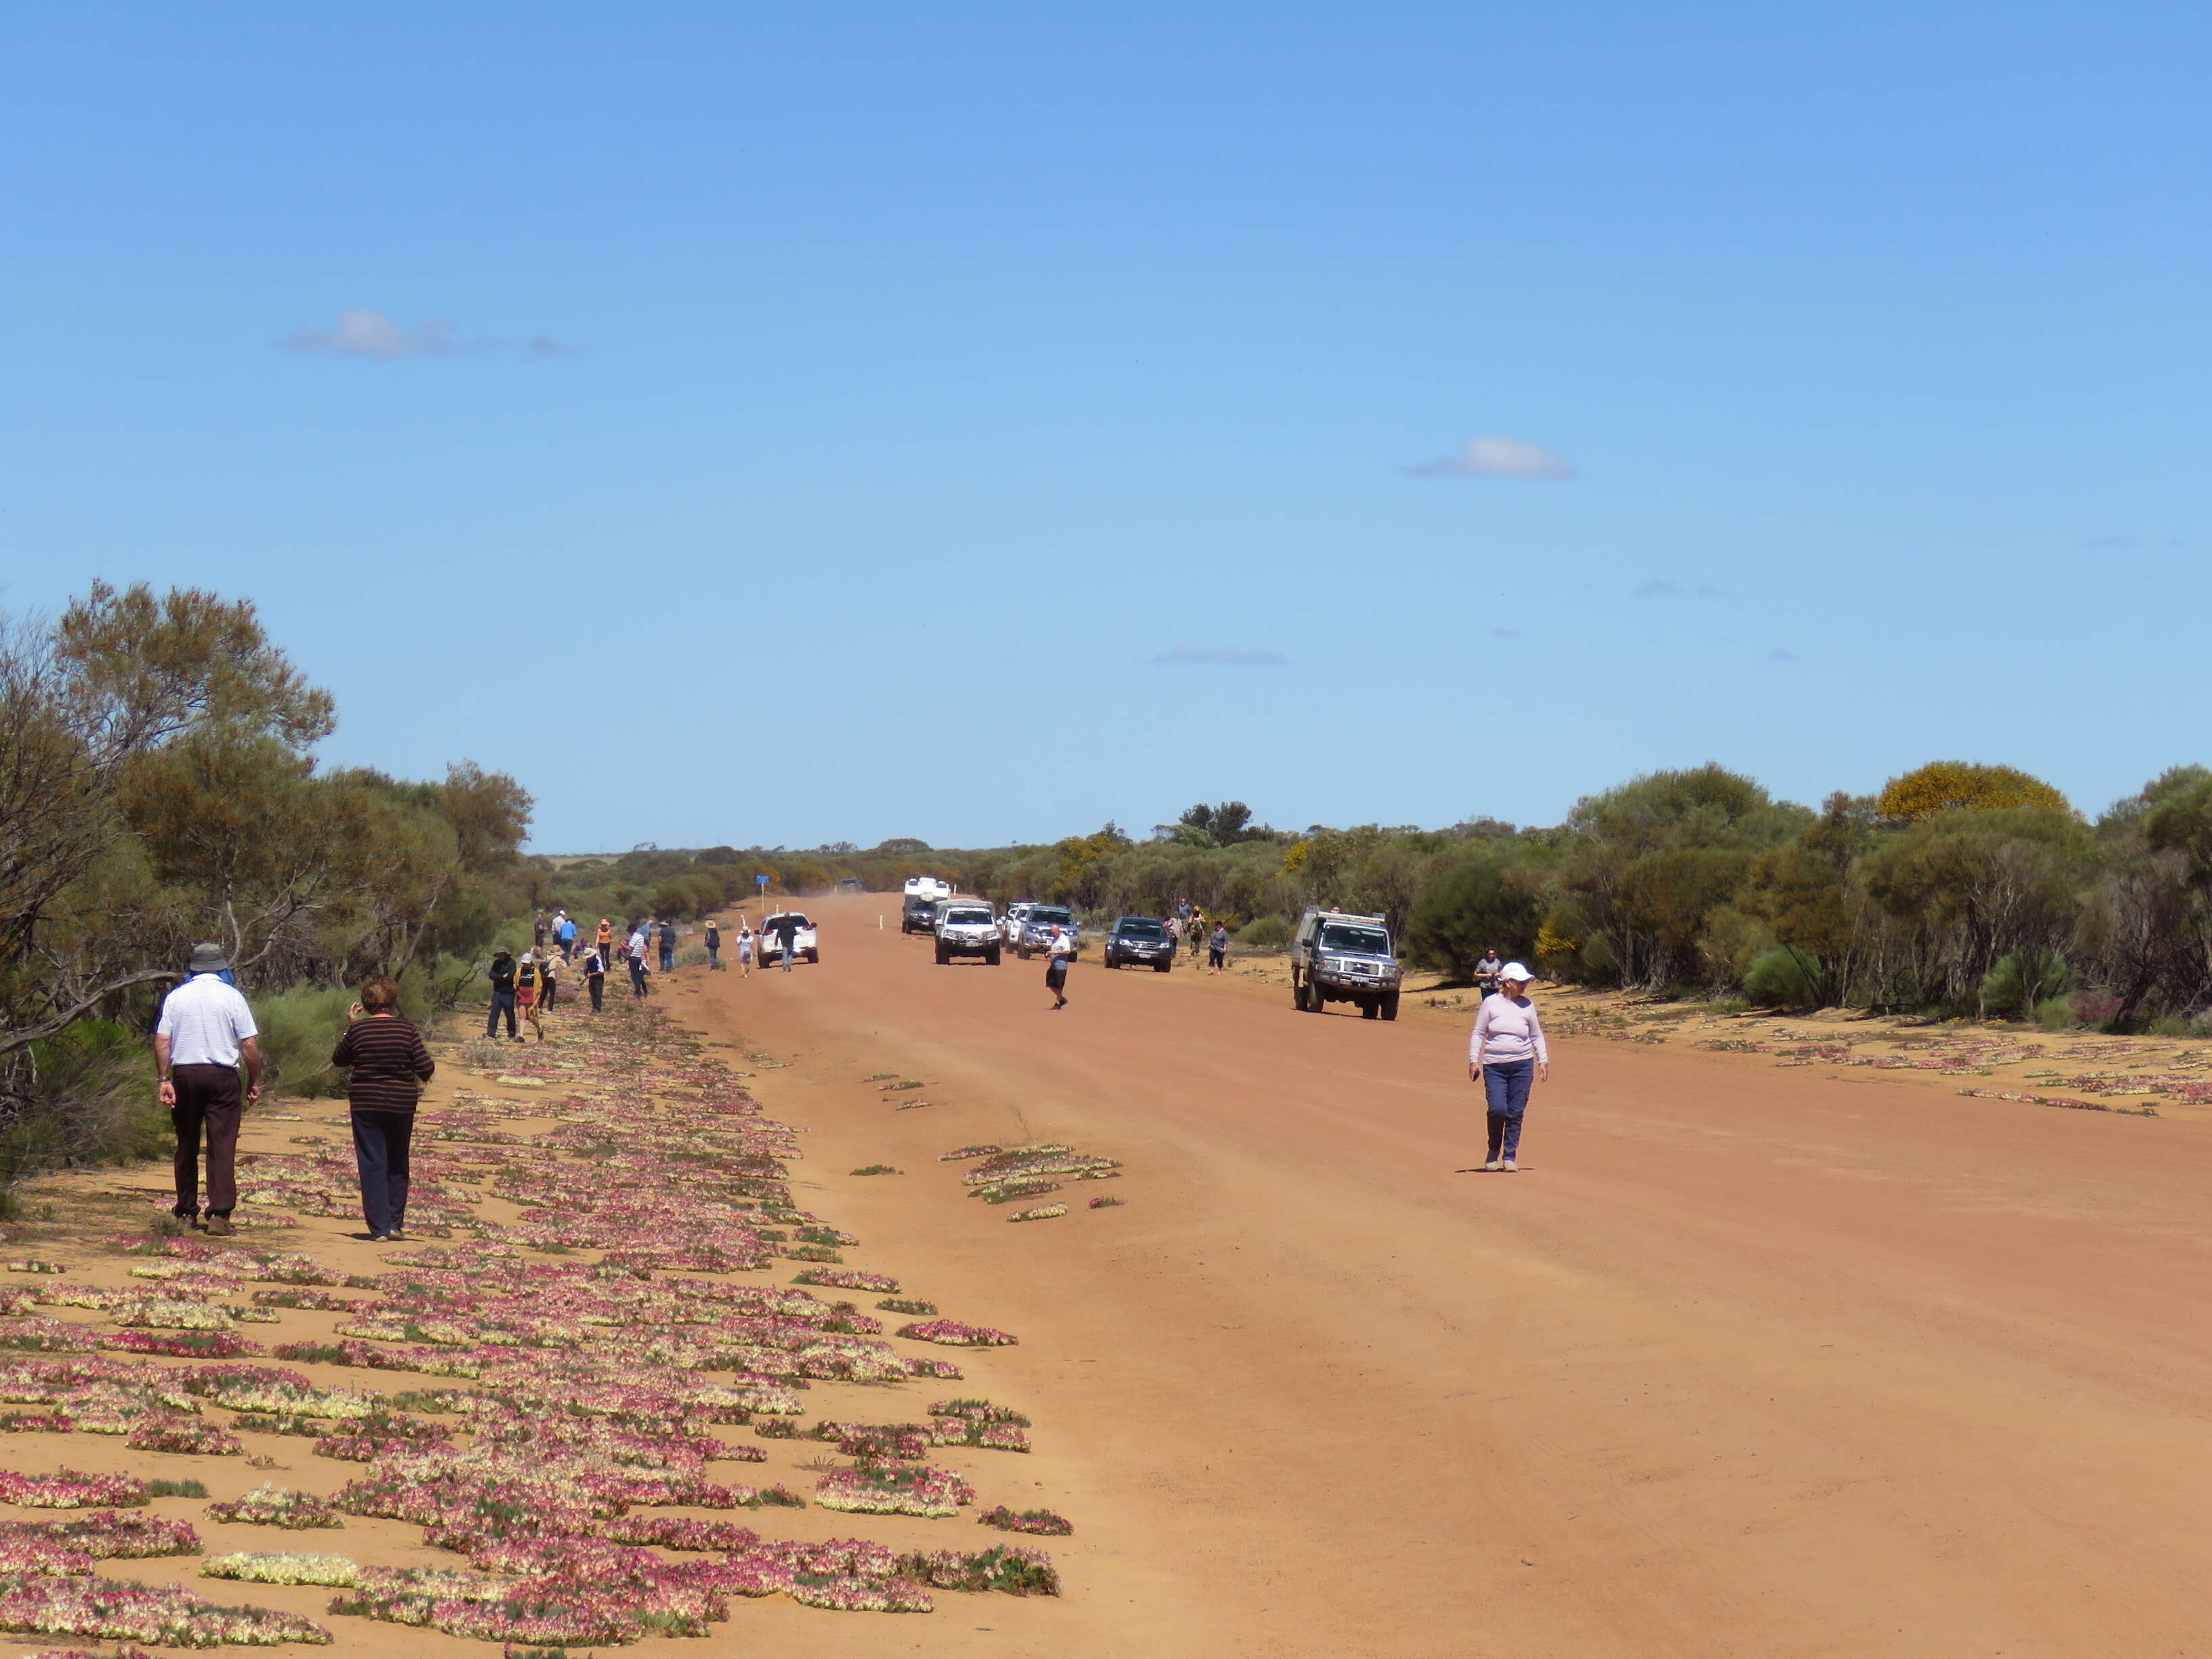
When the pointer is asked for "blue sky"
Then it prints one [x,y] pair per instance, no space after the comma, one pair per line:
[977,422]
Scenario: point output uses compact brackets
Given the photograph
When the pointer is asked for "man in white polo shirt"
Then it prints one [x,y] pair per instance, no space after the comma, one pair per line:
[206,1028]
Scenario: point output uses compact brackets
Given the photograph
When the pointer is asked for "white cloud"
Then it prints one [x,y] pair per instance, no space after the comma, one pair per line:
[366,333]
[1492,457]
[1184,656]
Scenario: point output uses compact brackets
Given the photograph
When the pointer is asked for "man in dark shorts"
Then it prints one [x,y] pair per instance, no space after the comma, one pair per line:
[1060,947]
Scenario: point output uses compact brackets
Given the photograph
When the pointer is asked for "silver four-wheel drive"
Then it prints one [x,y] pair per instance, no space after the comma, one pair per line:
[1337,957]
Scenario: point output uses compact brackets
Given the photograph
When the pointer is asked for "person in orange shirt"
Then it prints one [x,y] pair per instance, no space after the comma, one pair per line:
[606,940]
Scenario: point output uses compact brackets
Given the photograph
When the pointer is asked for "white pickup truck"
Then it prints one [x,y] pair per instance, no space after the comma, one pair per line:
[967,927]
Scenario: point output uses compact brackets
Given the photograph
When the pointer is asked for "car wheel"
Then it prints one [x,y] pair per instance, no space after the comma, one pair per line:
[814,956]
[990,957]
[1390,1005]
[1370,1010]
[1161,967]
[941,957]
[1297,996]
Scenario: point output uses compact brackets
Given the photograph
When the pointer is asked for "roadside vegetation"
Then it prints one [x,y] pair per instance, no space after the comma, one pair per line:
[1959,889]
[157,788]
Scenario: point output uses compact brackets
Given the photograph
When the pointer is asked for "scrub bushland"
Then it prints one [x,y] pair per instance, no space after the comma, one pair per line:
[1956,890]
[158,787]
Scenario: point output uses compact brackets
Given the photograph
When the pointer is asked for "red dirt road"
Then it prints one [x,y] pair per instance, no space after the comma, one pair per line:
[1743,1363]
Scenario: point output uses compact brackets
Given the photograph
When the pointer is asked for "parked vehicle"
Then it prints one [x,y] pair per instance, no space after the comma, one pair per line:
[919,915]
[1036,929]
[1338,958]
[967,927]
[1140,942]
[1010,923]
[805,944]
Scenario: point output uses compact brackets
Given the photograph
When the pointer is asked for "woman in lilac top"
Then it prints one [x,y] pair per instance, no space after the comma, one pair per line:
[1507,1056]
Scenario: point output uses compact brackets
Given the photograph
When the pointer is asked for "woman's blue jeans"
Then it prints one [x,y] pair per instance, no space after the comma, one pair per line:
[1505,1085]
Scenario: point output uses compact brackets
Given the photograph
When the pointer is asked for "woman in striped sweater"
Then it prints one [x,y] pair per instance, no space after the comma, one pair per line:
[387,1068]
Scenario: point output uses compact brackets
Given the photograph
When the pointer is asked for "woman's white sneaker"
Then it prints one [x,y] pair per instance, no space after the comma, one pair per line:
[1509,1166]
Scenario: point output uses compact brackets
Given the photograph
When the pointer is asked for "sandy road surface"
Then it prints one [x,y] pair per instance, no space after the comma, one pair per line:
[1741,1364]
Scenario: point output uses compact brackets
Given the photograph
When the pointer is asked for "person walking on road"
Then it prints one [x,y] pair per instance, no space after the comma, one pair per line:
[714,947]
[1060,951]
[502,994]
[1488,970]
[595,977]
[787,934]
[667,945]
[636,955]
[529,987]
[387,1066]
[205,1029]
[746,944]
[1217,947]
[1506,1056]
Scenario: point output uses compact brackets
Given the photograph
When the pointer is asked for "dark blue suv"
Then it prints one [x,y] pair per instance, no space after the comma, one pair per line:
[1139,941]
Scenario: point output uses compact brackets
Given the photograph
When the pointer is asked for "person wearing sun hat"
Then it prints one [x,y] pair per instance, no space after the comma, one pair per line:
[1507,1056]
[205,1029]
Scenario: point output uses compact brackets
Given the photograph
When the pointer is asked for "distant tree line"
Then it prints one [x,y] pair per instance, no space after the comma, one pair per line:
[1959,888]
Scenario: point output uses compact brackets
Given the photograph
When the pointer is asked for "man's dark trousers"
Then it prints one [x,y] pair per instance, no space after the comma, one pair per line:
[210,1096]
[598,983]
[501,1000]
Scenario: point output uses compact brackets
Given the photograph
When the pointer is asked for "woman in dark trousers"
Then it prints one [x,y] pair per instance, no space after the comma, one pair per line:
[595,977]
[387,1068]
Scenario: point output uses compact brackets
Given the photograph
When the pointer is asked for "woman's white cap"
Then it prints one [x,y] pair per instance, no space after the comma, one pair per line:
[1515,971]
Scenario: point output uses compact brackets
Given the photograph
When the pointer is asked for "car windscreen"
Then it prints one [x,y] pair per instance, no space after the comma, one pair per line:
[967,916]
[1338,936]
[1128,929]
[1045,917]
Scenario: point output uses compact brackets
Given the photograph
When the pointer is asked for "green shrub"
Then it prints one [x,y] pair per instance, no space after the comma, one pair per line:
[2056,1014]
[2022,980]
[1784,977]
[299,1029]
[1483,902]
[87,1097]
[1265,933]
